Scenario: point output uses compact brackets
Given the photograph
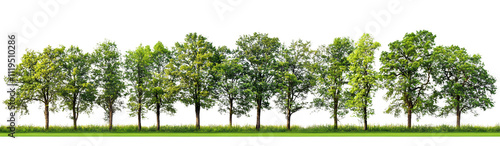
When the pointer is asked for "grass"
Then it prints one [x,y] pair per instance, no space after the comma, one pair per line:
[238,131]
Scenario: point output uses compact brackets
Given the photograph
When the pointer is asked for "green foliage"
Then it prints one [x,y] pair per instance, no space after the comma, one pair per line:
[293,77]
[406,71]
[137,67]
[77,90]
[162,88]
[108,76]
[195,60]
[331,67]
[227,88]
[38,76]
[257,54]
[362,77]
[465,83]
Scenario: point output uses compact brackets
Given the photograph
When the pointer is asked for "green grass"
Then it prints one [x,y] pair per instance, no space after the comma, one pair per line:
[249,130]
[261,134]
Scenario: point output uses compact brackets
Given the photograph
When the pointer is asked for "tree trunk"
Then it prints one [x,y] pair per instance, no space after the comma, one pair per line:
[110,120]
[197,110]
[335,112]
[139,115]
[259,103]
[157,113]
[75,117]
[365,118]
[458,112]
[230,111]
[409,118]
[288,117]
[46,112]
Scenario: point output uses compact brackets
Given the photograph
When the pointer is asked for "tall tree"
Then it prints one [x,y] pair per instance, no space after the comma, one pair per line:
[363,78]
[466,84]
[77,90]
[406,71]
[162,88]
[331,67]
[194,71]
[137,66]
[228,87]
[38,76]
[294,78]
[108,74]
[257,54]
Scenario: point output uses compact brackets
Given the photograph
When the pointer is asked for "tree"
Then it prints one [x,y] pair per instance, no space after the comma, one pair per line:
[138,72]
[228,87]
[362,78]
[194,72]
[77,89]
[294,78]
[162,88]
[38,77]
[257,54]
[406,71]
[108,75]
[331,67]
[465,83]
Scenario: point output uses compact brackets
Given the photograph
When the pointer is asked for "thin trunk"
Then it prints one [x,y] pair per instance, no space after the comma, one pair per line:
[139,115]
[409,118]
[157,113]
[288,117]
[458,112]
[365,118]
[74,113]
[46,112]
[197,110]
[230,111]
[259,103]
[110,120]
[335,112]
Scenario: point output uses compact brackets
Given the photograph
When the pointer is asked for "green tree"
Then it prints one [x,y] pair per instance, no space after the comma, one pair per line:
[257,54]
[38,76]
[77,90]
[294,78]
[137,66]
[228,86]
[162,88]
[108,75]
[465,83]
[331,67]
[406,71]
[362,78]
[194,72]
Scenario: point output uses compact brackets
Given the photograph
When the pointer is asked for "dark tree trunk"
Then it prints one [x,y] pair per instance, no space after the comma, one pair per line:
[46,112]
[259,104]
[335,112]
[197,110]
[365,118]
[230,111]
[458,112]
[139,113]
[157,113]
[288,117]
[75,117]
[110,120]
[409,118]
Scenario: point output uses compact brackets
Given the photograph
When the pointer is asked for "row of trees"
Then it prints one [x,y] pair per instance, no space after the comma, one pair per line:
[415,72]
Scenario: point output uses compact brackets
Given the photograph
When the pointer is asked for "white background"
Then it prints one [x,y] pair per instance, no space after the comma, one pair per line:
[470,24]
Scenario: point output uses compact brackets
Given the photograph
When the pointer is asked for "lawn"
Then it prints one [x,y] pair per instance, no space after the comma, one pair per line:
[249,131]
[267,134]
